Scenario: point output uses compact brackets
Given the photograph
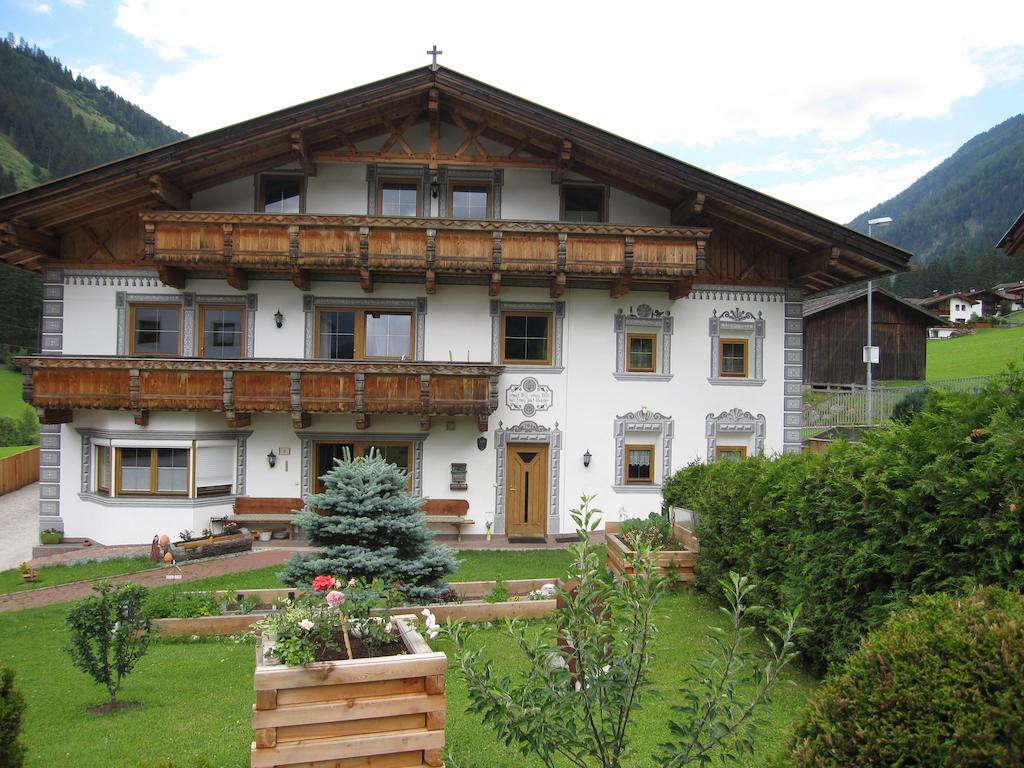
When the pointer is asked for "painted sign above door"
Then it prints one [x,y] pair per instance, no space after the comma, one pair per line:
[528,396]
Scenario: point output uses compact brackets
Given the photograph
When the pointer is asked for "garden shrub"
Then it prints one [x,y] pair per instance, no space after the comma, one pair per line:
[12,707]
[926,506]
[910,405]
[181,605]
[653,531]
[941,684]
[369,526]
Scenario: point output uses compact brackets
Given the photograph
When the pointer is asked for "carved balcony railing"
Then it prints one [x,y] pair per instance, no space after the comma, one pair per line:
[462,250]
[56,386]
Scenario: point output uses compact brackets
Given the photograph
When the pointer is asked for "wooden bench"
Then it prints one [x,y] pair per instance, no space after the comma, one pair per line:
[448,512]
[252,509]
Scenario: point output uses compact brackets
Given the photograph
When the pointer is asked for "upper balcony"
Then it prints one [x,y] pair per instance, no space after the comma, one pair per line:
[618,256]
[56,386]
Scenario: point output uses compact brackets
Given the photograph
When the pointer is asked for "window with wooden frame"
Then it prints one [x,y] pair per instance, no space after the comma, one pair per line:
[155,330]
[103,469]
[639,464]
[397,453]
[730,452]
[281,194]
[152,471]
[469,200]
[223,331]
[398,197]
[584,203]
[733,358]
[364,334]
[642,352]
[526,338]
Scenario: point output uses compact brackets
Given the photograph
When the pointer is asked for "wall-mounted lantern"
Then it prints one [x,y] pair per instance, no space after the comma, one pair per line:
[435,186]
[278,318]
[271,458]
[586,459]
[481,443]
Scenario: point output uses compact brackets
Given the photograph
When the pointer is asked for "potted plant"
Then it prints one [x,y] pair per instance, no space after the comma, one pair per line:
[263,535]
[28,573]
[51,536]
[230,528]
[332,646]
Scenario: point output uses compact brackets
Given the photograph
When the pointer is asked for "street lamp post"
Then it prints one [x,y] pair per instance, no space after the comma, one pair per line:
[869,350]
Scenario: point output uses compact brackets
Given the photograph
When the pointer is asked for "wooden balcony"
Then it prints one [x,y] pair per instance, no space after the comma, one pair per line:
[487,252]
[56,386]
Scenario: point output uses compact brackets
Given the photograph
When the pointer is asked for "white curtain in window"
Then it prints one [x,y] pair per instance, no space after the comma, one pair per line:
[215,465]
[641,458]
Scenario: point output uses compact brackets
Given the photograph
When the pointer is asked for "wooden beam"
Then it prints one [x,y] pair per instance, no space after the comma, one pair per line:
[481,422]
[430,283]
[300,145]
[494,286]
[237,420]
[168,194]
[434,116]
[362,421]
[820,260]
[564,159]
[493,161]
[300,279]
[425,422]
[396,133]
[301,420]
[692,205]
[558,285]
[171,276]
[366,280]
[621,286]
[237,278]
[141,418]
[680,289]
[16,237]
[54,416]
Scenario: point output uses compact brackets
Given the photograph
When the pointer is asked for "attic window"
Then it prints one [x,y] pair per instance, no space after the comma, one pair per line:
[281,194]
[583,203]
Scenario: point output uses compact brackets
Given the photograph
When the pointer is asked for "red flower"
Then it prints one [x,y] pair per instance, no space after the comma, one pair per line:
[323,583]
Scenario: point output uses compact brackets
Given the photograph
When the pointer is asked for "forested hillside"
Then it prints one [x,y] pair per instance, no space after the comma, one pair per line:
[952,216]
[52,124]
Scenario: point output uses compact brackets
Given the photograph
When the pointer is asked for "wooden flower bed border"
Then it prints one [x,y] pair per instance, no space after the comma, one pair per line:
[212,546]
[525,608]
[385,711]
[677,563]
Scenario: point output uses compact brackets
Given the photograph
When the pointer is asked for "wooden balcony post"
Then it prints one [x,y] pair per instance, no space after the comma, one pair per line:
[365,276]
[362,419]
[425,402]
[494,288]
[300,419]
[431,277]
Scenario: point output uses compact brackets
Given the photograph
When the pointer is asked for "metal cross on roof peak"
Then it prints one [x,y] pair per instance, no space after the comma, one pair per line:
[434,53]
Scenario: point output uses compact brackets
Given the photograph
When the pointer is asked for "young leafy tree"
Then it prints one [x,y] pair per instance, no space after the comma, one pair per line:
[109,633]
[367,525]
[12,706]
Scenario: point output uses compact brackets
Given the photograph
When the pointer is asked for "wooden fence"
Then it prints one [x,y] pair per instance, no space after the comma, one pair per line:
[19,470]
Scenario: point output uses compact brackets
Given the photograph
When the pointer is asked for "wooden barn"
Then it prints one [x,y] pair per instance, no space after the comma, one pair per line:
[835,332]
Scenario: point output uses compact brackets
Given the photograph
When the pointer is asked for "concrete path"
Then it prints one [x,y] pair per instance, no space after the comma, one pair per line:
[154,578]
[19,525]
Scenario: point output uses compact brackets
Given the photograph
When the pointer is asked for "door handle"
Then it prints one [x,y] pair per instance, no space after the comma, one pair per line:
[511,489]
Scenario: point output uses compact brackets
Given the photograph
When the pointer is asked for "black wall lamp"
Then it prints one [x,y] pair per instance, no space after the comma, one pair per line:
[481,443]
[586,459]
[435,187]
[279,321]
[271,458]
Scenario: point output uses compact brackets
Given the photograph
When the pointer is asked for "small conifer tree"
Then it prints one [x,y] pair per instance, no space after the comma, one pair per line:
[367,525]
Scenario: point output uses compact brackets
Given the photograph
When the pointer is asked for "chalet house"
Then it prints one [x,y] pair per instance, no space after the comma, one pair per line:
[957,307]
[514,306]
[835,332]
[1012,242]
[1014,292]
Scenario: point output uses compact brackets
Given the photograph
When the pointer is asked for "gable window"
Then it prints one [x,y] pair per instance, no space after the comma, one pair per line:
[156,329]
[642,355]
[152,471]
[526,338]
[470,201]
[282,194]
[733,358]
[730,452]
[639,464]
[360,334]
[583,203]
[398,198]
[397,453]
[223,334]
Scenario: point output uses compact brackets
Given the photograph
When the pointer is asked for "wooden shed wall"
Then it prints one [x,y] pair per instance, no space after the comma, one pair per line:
[834,339]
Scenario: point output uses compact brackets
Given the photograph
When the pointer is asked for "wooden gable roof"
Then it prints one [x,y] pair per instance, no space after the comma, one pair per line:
[819,304]
[1012,242]
[821,253]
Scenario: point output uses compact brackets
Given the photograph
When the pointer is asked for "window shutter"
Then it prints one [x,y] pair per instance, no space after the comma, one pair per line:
[215,466]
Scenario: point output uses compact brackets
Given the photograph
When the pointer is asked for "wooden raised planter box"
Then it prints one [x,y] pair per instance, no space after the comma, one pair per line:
[212,546]
[675,563]
[524,608]
[387,711]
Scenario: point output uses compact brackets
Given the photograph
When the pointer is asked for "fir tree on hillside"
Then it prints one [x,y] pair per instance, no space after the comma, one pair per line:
[368,525]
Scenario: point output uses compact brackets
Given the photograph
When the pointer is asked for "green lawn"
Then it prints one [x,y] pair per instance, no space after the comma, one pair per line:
[10,450]
[52,575]
[11,403]
[197,696]
[986,352]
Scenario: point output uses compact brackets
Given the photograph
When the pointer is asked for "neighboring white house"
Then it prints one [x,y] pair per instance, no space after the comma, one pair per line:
[516,307]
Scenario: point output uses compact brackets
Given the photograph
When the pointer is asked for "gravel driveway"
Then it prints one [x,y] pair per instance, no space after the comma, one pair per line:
[19,524]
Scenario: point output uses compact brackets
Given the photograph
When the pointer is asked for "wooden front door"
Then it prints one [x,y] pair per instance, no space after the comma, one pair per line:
[526,489]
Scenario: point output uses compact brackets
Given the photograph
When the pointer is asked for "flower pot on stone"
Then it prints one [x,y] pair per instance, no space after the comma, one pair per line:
[50,536]
[264,535]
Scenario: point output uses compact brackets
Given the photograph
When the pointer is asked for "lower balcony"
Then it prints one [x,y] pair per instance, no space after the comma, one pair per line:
[57,386]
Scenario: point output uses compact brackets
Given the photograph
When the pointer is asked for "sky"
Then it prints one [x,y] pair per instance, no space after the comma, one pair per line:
[832,106]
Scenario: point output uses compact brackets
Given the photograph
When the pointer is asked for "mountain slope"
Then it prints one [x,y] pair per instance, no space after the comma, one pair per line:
[951,217]
[53,124]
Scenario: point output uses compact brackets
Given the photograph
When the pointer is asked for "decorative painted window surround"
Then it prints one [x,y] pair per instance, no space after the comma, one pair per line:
[310,303]
[647,423]
[91,438]
[449,177]
[309,439]
[419,174]
[733,422]
[644,318]
[189,303]
[557,310]
[528,432]
[731,323]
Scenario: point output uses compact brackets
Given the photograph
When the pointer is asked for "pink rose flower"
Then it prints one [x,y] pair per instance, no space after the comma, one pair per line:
[335,598]
[323,583]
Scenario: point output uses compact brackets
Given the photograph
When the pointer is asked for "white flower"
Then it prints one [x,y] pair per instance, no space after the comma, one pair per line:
[425,612]
[432,633]
[306,624]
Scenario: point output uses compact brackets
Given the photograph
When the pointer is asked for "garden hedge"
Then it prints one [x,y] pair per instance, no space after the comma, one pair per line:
[927,506]
[939,685]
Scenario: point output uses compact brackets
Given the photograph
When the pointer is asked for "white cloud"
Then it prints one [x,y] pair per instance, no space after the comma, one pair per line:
[74,3]
[42,8]
[128,86]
